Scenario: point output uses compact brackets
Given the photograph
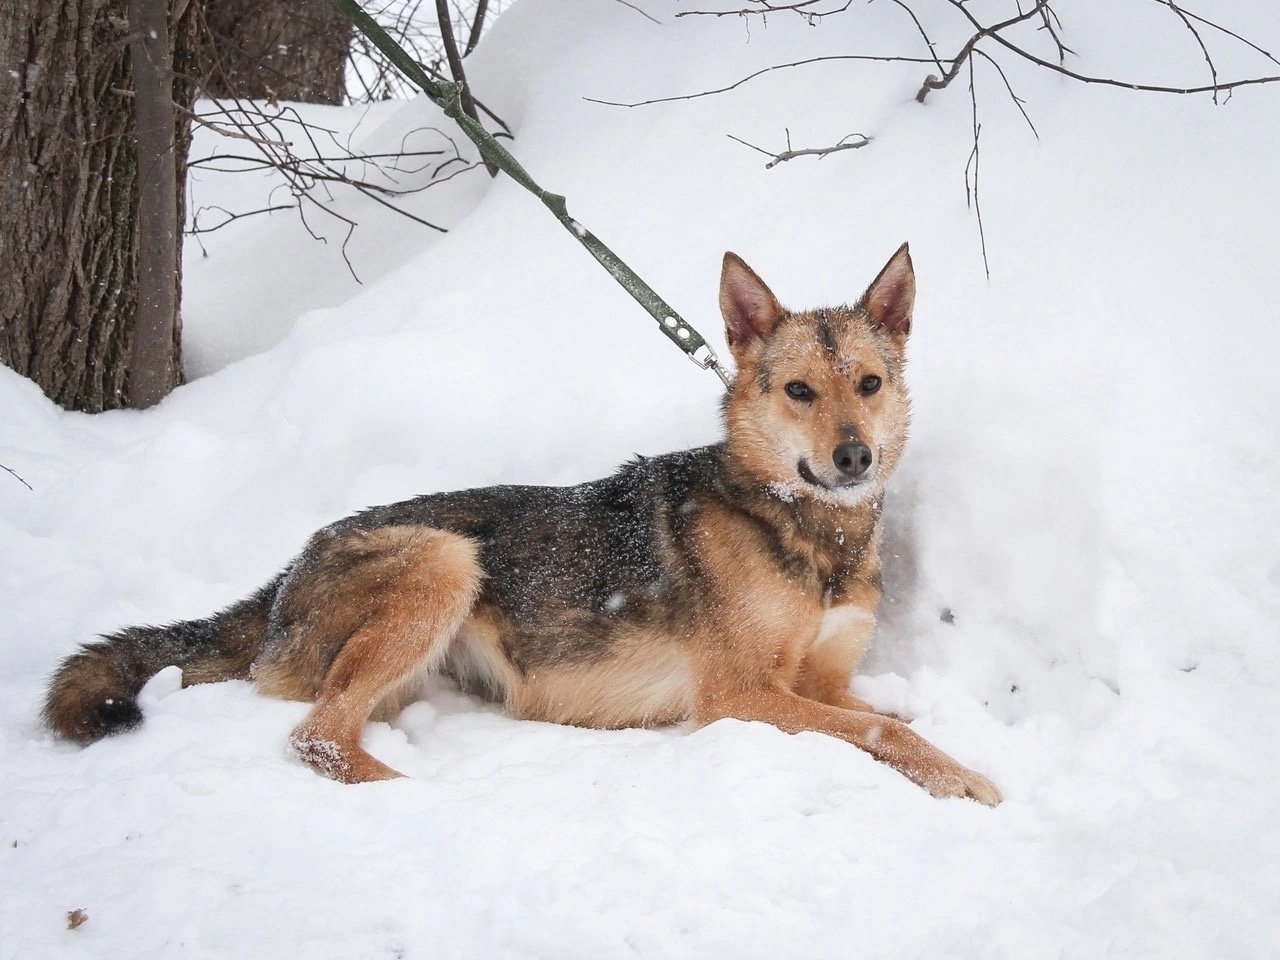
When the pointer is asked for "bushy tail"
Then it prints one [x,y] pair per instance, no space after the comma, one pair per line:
[95,692]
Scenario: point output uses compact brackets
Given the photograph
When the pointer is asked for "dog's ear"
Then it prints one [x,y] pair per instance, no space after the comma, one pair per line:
[892,295]
[750,309]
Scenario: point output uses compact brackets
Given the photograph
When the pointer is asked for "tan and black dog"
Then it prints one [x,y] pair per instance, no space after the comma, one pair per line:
[735,580]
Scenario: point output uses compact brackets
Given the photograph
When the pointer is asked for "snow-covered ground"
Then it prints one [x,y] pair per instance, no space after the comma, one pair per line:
[1091,491]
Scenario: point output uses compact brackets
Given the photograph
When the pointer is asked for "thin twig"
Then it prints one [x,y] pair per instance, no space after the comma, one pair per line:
[229,132]
[1051,24]
[477,24]
[760,73]
[1017,100]
[920,27]
[642,13]
[844,143]
[1204,51]
[1235,36]
[195,229]
[14,474]
[974,157]
[764,8]
[312,159]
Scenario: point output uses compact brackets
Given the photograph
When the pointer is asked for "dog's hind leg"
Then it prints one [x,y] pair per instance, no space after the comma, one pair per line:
[404,593]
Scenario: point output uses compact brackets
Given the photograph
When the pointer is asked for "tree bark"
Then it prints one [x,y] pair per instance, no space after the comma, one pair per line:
[275,50]
[151,372]
[69,182]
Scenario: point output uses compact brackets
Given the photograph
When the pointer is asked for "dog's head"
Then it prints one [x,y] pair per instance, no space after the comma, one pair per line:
[819,408]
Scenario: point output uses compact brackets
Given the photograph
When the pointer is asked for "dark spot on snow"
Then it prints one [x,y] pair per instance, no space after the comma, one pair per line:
[1189,669]
[946,616]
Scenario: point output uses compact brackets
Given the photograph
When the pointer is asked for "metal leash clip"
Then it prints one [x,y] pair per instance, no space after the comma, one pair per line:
[706,358]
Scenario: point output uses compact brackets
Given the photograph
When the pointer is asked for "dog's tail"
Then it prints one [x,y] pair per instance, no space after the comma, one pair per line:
[95,692]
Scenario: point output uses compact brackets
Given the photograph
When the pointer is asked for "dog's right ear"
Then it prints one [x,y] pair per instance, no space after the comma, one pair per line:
[750,309]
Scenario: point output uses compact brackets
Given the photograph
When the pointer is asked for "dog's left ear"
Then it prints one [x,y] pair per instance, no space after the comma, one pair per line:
[892,295]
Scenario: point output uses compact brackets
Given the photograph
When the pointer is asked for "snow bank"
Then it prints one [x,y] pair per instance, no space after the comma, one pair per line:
[1084,585]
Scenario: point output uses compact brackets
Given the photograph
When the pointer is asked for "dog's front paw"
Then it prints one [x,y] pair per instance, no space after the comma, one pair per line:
[958,781]
[923,763]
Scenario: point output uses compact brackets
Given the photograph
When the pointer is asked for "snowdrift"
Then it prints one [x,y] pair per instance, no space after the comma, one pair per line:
[1084,569]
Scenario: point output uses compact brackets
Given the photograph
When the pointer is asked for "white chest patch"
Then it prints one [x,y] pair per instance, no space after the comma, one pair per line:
[847,629]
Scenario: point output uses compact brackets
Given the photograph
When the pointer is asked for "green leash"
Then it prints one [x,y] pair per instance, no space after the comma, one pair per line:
[448,96]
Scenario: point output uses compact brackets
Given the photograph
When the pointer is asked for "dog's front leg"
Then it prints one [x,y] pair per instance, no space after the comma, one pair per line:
[888,740]
[830,662]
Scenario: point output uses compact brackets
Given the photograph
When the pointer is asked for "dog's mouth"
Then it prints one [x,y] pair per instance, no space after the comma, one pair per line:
[846,483]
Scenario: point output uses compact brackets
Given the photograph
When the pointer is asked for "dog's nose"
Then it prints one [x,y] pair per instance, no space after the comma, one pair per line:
[852,459]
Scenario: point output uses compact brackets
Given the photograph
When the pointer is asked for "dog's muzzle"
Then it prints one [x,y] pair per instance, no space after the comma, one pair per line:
[857,460]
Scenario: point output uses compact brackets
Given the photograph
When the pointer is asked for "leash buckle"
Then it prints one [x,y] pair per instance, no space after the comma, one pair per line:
[706,358]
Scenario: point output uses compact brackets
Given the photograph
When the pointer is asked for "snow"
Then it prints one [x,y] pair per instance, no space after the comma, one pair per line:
[1083,568]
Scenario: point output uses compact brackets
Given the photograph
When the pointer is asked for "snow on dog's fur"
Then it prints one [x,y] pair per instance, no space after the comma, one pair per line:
[735,580]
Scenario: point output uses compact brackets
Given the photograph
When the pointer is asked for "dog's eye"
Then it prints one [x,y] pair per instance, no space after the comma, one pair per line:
[797,390]
[869,384]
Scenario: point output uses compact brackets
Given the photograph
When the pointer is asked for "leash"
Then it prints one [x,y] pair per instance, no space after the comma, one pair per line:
[448,96]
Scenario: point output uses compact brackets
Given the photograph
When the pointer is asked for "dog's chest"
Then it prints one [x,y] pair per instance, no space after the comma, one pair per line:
[847,628]
[832,610]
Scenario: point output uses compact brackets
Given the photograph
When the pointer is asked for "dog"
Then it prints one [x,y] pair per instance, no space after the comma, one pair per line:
[734,580]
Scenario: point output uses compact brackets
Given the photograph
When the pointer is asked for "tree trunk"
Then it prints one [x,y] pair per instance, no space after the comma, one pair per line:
[151,375]
[275,50]
[68,198]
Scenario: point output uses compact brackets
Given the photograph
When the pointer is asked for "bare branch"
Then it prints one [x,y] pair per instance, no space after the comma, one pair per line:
[1002,33]
[935,82]
[1017,100]
[195,228]
[844,143]
[642,13]
[14,474]
[1204,51]
[760,73]
[803,8]
[1013,48]
[971,197]
[920,27]
[1235,36]
[1050,23]
[312,161]
[477,24]
[238,134]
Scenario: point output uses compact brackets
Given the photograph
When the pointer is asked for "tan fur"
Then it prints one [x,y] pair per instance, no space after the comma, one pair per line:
[428,582]
[647,682]
[765,646]
[842,641]
[885,738]
[756,598]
